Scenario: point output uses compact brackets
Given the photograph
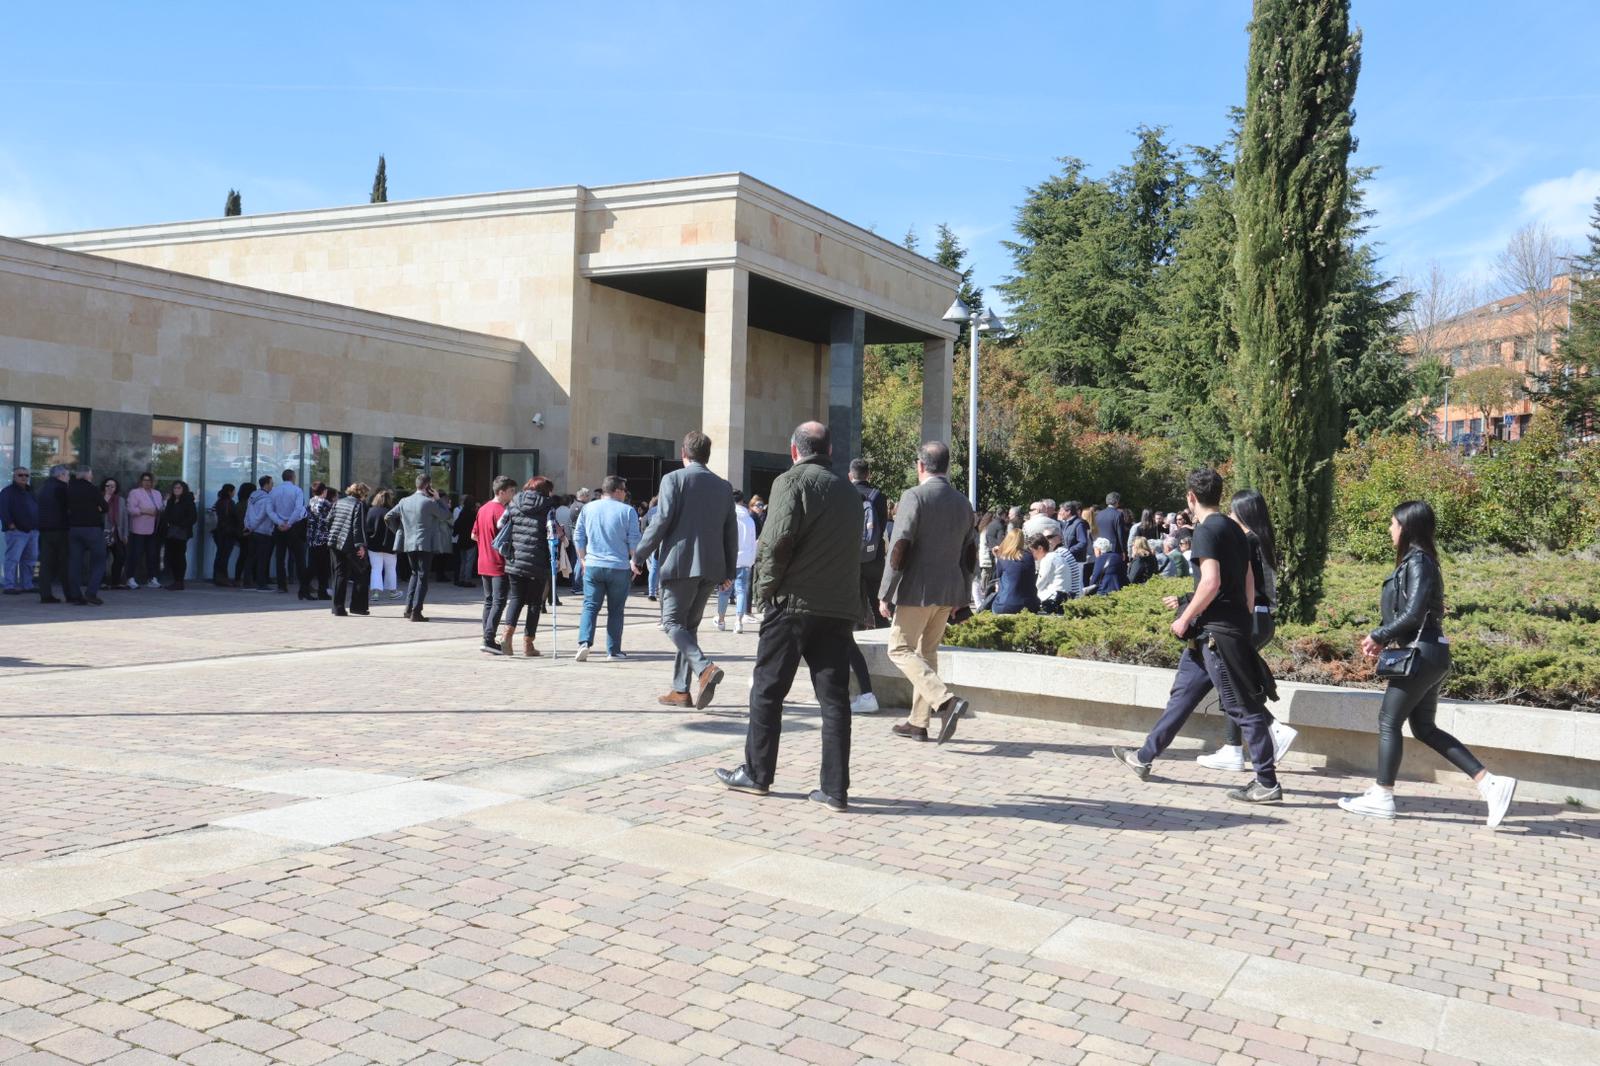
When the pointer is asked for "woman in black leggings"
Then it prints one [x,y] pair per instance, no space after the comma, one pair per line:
[1413,608]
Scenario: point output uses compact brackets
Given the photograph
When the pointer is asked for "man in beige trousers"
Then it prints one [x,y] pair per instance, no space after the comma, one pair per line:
[928,575]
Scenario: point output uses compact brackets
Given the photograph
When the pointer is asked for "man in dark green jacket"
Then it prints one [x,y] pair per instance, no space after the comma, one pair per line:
[807,584]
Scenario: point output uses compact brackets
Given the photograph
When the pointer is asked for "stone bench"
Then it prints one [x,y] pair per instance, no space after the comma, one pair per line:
[1555,753]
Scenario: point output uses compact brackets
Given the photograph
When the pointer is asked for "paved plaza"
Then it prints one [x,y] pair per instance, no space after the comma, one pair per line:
[236,830]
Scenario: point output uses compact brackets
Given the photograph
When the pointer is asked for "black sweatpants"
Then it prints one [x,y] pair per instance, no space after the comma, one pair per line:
[824,644]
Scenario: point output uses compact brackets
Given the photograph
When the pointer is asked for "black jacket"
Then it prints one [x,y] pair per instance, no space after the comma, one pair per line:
[380,538]
[529,515]
[178,518]
[230,523]
[86,505]
[1413,601]
[53,504]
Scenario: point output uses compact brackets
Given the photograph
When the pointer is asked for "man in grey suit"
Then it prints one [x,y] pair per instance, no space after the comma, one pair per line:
[697,534]
[423,521]
[928,575]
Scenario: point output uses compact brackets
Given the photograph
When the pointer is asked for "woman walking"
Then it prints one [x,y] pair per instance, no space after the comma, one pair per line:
[226,526]
[116,534]
[1248,509]
[528,564]
[177,522]
[381,546]
[1412,610]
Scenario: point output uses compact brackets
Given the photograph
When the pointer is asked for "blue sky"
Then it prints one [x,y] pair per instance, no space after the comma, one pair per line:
[1481,116]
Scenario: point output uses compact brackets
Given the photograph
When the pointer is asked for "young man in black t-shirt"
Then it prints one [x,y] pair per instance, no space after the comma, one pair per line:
[1215,621]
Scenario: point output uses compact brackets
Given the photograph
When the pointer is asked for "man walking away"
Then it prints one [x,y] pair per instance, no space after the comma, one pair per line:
[288,506]
[258,521]
[698,536]
[874,521]
[347,547]
[86,539]
[807,581]
[53,536]
[424,526]
[19,515]
[932,558]
[607,533]
[491,564]
[1215,621]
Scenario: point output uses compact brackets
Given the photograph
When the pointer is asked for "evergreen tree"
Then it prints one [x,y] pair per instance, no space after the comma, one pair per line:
[910,241]
[1292,203]
[233,205]
[1571,382]
[380,182]
[948,252]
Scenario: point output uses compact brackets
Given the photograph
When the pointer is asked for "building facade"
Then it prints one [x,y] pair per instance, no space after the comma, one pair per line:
[572,331]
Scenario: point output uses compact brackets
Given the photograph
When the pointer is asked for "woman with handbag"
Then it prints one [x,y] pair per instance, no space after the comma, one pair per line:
[178,517]
[116,534]
[1413,655]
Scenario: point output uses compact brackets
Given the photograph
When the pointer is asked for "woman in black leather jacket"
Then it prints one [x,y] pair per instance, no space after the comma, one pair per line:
[1413,610]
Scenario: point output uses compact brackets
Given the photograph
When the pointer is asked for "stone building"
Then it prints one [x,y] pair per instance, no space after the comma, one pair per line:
[571,331]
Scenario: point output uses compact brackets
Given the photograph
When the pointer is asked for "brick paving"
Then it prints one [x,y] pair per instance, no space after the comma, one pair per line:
[451,942]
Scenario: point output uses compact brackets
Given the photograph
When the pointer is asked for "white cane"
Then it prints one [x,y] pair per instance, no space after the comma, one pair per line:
[555,555]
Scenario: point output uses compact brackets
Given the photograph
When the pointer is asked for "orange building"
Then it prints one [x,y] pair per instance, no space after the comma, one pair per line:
[1517,332]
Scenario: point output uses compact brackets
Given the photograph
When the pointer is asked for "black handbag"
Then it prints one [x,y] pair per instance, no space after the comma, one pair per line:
[1399,662]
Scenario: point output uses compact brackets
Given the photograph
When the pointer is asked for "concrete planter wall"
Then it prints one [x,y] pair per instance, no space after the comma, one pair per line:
[1555,753]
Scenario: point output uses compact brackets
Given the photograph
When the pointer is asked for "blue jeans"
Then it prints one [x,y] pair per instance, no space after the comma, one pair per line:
[740,593]
[22,548]
[653,568]
[1199,671]
[611,583]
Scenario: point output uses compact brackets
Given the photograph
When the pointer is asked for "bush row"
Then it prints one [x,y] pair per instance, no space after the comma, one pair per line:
[1522,629]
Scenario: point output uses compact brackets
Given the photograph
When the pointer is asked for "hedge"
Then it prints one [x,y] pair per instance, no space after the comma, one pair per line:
[1523,629]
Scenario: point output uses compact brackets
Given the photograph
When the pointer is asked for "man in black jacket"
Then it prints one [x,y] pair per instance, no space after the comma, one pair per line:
[53,536]
[1215,622]
[86,539]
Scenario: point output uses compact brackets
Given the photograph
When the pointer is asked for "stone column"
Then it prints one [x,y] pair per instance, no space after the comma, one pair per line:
[118,446]
[938,364]
[847,333]
[727,347]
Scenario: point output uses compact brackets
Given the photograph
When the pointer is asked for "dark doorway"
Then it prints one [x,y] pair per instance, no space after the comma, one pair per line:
[644,473]
[761,479]
[477,474]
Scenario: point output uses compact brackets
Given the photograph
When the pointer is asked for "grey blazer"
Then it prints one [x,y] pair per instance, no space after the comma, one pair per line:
[424,524]
[935,548]
[695,529]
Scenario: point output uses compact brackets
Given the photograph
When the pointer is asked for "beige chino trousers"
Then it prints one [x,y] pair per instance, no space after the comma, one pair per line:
[914,637]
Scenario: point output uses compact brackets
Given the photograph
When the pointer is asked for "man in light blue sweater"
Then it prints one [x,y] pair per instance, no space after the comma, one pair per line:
[606,534]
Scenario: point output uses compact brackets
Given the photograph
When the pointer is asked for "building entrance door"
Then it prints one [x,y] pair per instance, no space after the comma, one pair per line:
[644,474]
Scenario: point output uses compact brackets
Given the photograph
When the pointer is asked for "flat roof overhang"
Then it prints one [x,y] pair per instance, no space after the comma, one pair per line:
[775,306]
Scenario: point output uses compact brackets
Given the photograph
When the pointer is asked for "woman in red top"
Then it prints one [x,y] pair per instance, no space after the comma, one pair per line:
[491,567]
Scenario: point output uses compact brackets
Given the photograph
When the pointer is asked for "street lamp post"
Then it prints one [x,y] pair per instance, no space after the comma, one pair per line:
[981,322]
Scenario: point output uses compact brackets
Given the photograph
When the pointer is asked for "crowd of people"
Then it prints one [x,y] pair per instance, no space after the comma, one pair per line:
[831,555]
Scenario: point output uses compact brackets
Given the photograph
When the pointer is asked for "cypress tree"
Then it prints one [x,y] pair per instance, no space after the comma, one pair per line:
[1291,200]
[233,205]
[380,182]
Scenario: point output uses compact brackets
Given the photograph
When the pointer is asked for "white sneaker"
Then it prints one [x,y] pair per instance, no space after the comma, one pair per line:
[1497,792]
[1282,740]
[132,584]
[738,625]
[1375,802]
[721,625]
[1227,757]
[153,583]
[583,653]
[615,656]
[866,703]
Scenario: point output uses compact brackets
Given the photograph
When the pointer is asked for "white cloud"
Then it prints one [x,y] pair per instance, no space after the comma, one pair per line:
[1563,204]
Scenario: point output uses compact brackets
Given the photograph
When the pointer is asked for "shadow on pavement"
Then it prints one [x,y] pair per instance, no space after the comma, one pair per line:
[1105,814]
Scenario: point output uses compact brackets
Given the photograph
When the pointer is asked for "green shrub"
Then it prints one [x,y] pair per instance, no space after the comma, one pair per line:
[1523,629]
[1523,500]
[1372,477]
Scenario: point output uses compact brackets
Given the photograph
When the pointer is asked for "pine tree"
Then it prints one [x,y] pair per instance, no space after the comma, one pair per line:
[1292,202]
[380,182]
[948,252]
[1571,384]
[233,205]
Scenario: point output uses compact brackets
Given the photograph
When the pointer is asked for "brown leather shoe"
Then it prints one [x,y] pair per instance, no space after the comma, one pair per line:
[527,647]
[709,677]
[675,699]
[909,731]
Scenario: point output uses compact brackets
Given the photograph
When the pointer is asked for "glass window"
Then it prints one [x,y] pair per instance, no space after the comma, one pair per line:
[444,465]
[50,436]
[274,451]
[408,463]
[8,440]
[519,465]
[324,459]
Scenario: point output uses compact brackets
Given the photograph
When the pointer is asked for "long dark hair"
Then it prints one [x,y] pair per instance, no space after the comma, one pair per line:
[1416,529]
[1250,508]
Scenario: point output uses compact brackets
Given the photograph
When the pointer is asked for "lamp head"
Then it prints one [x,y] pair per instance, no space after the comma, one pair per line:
[959,311]
[990,321]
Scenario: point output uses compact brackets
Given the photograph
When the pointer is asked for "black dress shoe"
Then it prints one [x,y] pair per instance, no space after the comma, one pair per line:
[833,803]
[48,599]
[324,596]
[354,611]
[953,709]
[338,613]
[739,780]
[418,618]
[96,600]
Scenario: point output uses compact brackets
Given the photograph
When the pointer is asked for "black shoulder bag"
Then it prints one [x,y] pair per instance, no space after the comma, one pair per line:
[1400,662]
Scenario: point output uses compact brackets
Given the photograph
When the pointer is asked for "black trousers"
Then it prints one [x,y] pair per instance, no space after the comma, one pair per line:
[177,560]
[219,566]
[525,592]
[824,644]
[417,586]
[289,548]
[1415,699]
[321,564]
[244,566]
[494,603]
[871,581]
[1262,628]
[351,572]
[261,558]
[53,563]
